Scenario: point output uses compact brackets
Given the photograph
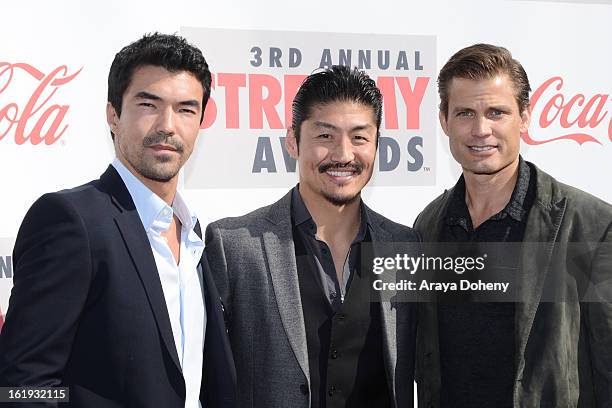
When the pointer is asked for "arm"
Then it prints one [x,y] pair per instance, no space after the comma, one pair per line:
[215,257]
[52,274]
[599,321]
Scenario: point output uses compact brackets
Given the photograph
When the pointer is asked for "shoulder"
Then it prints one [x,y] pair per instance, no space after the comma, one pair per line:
[69,201]
[399,232]
[577,201]
[585,217]
[253,218]
[238,230]
[87,205]
[433,210]
[275,217]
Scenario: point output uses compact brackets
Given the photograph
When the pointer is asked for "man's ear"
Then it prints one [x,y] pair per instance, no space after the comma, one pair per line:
[291,144]
[525,119]
[112,118]
[443,123]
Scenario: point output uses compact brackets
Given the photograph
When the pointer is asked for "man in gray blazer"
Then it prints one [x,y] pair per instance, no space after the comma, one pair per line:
[551,345]
[305,326]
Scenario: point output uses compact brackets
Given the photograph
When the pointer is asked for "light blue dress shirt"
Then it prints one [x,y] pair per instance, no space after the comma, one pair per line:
[180,283]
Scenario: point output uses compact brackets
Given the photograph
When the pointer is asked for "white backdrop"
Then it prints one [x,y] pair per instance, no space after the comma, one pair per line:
[568,40]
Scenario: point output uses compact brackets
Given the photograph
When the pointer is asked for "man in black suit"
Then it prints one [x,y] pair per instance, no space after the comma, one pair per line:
[111,297]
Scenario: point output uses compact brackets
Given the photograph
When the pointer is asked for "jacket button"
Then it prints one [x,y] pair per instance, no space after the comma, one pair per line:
[334,354]
[428,354]
[331,391]
[304,389]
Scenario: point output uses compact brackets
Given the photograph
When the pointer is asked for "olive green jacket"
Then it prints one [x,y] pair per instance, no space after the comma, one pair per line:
[564,345]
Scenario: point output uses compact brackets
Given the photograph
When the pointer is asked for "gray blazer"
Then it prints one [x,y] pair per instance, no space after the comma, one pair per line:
[563,342]
[252,259]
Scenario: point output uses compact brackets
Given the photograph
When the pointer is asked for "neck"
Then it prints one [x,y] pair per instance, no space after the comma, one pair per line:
[488,194]
[166,190]
[333,222]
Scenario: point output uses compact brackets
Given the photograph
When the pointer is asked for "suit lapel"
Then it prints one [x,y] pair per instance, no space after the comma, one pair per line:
[201,279]
[135,238]
[281,263]
[538,243]
[388,309]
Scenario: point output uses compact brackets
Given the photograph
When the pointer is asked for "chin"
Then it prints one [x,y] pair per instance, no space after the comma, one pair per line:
[340,199]
[486,168]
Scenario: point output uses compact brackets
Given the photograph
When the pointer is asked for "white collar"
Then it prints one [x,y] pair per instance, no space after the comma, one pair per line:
[151,208]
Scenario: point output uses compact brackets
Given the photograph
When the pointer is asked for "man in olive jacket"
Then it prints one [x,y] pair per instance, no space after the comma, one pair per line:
[551,346]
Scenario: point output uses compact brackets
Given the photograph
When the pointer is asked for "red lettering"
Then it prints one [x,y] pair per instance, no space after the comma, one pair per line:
[594,120]
[52,117]
[4,114]
[412,98]
[387,89]
[564,119]
[232,83]
[591,114]
[291,84]
[260,104]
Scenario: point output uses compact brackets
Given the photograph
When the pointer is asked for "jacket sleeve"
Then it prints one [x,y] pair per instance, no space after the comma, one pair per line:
[599,322]
[215,256]
[51,278]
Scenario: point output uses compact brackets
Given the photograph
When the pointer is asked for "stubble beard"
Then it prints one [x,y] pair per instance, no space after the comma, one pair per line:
[340,200]
[159,168]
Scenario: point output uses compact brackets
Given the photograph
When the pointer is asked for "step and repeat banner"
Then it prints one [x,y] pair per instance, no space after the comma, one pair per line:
[54,62]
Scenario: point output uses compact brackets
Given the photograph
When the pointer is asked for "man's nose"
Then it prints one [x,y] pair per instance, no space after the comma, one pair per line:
[343,150]
[482,127]
[165,122]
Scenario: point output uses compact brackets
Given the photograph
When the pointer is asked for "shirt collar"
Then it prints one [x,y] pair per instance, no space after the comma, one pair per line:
[301,216]
[457,212]
[152,210]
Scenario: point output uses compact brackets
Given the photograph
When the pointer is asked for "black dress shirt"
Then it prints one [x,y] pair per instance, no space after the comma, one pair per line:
[477,345]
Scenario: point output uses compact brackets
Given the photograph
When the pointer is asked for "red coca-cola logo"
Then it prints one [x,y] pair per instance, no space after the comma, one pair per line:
[584,117]
[38,119]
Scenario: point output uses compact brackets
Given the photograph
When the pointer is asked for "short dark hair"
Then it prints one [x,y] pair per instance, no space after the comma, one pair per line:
[484,61]
[171,52]
[336,83]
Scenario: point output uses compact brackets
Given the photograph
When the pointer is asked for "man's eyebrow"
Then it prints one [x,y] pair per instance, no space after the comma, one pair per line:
[147,95]
[362,127]
[462,108]
[501,107]
[191,102]
[325,125]
[330,126]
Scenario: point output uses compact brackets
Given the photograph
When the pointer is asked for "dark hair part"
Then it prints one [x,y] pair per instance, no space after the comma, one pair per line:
[337,83]
[171,52]
[484,61]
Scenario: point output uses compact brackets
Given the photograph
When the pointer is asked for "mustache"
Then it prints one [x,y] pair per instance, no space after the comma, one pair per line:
[353,166]
[157,138]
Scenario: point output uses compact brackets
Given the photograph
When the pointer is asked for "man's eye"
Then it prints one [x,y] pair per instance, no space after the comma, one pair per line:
[146,104]
[324,136]
[189,111]
[496,113]
[464,114]
[360,138]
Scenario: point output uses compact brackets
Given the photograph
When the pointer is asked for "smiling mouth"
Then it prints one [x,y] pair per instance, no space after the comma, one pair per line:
[336,173]
[482,148]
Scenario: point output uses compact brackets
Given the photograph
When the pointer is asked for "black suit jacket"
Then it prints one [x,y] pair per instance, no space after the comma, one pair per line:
[87,308]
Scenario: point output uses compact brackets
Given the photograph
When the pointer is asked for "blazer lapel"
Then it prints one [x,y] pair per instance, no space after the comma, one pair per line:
[380,241]
[137,243]
[281,263]
[541,232]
